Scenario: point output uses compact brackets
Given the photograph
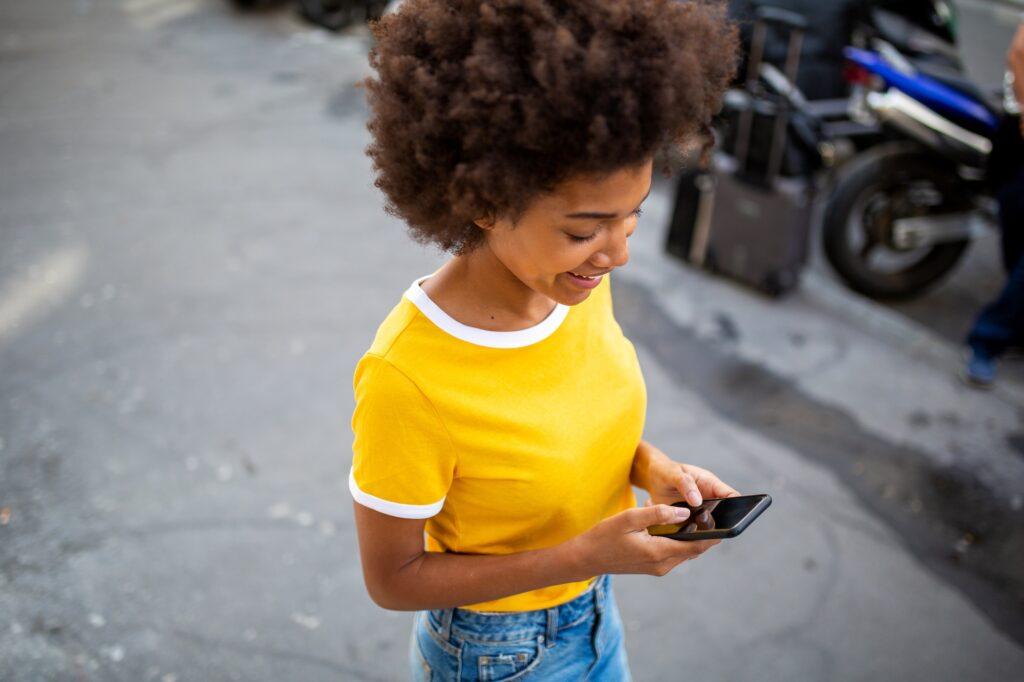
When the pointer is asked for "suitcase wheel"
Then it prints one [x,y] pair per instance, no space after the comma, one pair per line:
[778,283]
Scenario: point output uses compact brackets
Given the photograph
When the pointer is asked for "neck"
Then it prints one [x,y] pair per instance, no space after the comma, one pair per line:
[479,290]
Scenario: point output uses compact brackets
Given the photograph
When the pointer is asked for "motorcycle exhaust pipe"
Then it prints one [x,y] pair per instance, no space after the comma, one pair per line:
[924,125]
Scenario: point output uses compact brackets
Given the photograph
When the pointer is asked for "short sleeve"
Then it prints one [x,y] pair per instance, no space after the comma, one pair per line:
[402,456]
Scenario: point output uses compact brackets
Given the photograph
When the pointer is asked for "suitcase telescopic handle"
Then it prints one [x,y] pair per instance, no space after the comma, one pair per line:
[782,17]
[796,25]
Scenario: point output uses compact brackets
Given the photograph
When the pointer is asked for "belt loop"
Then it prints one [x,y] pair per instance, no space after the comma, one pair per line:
[599,589]
[552,625]
[446,623]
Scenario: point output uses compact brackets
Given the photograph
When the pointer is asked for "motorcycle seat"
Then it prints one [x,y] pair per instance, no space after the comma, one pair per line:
[959,82]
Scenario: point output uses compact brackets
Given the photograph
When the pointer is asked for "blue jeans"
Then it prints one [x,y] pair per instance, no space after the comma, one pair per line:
[1001,323]
[581,639]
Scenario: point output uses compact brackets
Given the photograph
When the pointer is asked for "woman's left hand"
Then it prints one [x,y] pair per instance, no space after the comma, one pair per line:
[669,481]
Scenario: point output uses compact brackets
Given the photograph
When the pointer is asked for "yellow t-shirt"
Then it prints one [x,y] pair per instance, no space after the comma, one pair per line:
[503,441]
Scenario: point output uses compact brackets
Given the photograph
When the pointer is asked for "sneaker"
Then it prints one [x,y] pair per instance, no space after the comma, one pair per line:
[980,371]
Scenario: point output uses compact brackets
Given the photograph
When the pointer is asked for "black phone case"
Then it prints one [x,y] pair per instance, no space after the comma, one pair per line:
[719,534]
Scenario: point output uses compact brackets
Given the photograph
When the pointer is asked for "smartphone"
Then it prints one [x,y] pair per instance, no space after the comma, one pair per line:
[716,518]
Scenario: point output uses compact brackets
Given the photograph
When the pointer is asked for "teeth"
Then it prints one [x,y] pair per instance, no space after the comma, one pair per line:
[583,276]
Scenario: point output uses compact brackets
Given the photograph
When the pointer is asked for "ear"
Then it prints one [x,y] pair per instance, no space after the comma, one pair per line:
[485,223]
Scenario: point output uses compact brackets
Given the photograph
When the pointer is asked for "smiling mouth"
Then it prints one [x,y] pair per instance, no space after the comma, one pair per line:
[600,274]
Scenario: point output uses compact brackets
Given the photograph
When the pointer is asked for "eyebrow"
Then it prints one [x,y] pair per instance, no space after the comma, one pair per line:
[604,216]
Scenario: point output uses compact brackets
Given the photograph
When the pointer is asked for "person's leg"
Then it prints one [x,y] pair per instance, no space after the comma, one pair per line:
[1011,218]
[1001,323]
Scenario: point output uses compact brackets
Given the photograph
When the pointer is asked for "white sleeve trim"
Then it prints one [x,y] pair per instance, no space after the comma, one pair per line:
[405,511]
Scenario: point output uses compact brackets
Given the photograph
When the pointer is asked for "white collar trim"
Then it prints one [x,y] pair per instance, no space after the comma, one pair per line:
[484,337]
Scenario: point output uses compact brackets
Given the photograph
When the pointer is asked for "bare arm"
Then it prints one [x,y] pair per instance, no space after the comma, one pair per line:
[400,575]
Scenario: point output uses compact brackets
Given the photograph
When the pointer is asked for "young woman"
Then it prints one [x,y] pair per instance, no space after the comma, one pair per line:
[500,409]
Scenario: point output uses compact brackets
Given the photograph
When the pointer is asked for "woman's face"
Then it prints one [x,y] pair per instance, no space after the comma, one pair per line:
[577,231]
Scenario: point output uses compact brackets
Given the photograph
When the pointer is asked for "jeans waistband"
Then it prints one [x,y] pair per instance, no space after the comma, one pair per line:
[515,624]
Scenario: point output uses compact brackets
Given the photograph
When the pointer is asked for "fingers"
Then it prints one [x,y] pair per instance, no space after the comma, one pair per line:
[698,547]
[640,518]
[705,545]
[694,550]
[687,485]
[665,567]
[682,549]
[709,484]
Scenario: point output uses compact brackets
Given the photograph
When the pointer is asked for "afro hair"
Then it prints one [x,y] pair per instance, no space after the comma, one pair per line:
[477,107]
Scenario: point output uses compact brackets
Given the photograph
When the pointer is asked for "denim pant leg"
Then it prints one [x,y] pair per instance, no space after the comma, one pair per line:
[1011,217]
[1001,323]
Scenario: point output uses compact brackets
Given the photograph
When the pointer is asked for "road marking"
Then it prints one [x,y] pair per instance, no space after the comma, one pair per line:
[46,285]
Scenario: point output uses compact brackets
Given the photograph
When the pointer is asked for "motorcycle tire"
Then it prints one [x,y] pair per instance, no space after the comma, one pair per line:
[889,167]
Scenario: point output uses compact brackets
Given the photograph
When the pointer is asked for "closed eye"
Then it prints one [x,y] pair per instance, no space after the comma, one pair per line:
[583,239]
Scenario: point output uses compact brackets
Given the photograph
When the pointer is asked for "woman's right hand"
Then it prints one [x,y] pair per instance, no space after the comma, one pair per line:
[621,543]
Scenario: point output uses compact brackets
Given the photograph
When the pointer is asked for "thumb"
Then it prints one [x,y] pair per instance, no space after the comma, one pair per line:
[639,518]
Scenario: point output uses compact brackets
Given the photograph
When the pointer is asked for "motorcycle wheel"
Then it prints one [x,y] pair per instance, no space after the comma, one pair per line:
[885,183]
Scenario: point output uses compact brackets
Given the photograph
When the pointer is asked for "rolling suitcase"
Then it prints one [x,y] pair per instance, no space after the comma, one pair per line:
[745,220]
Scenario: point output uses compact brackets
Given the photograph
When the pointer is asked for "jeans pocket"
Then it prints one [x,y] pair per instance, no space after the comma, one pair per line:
[501,661]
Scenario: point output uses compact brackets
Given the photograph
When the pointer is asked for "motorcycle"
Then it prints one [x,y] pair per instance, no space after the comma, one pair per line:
[893,223]
[924,30]
[901,213]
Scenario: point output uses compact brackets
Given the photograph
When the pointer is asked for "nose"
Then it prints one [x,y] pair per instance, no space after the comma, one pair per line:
[615,254]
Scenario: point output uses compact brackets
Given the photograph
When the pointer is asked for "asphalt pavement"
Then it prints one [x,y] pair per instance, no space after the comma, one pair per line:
[193,257]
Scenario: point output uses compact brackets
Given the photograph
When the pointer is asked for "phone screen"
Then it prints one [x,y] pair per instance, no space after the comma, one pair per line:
[717,514]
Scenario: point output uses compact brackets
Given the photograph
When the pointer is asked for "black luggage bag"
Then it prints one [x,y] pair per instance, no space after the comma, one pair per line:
[743,219]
